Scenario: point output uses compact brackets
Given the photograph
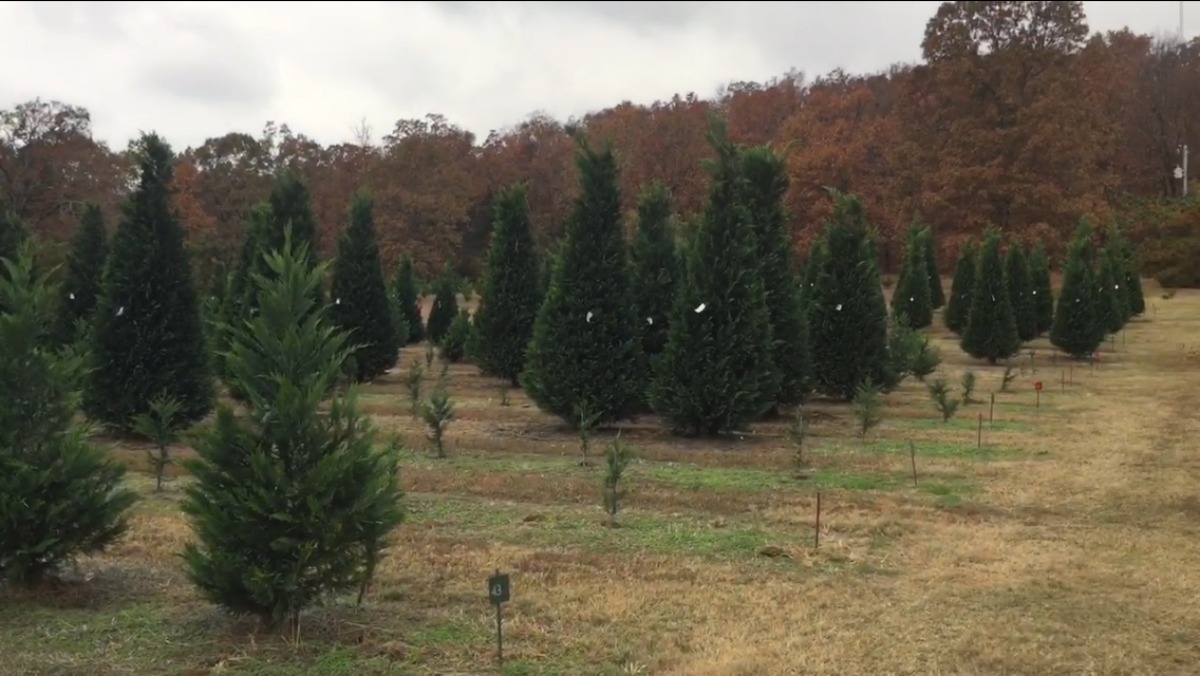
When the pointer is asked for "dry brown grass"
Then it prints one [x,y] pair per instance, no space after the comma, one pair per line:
[1068,544]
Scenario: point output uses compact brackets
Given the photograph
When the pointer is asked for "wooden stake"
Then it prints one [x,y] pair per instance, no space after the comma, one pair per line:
[912,452]
[817,529]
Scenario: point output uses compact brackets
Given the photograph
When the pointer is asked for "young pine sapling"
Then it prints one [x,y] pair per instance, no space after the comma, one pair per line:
[430,353]
[968,387]
[438,413]
[1009,376]
[947,405]
[413,382]
[617,457]
[926,360]
[868,407]
[796,433]
[161,425]
[587,419]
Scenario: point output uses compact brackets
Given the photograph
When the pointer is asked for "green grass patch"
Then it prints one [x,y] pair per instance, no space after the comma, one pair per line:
[939,449]
[577,528]
[966,424]
[682,475]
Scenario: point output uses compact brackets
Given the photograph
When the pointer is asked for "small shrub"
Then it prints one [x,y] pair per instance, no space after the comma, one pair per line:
[926,360]
[454,343]
[438,413]
[616,457]
[586,417]
[416,375]
[868,407]
[797,433]
[1010,375]
[939,392]
[429,355]
[161,425]
[968,387]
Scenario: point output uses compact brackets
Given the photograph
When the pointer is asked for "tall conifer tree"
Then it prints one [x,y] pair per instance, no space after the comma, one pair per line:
[656,267]
[912,298]
[991,330]
[406,296]
[766,182]
[716,372]
[511,293]
[1020,292]
[958,306]
[1039,288]
[586,346]
[1078,329]
[85,266]
[146,337]
[361,306]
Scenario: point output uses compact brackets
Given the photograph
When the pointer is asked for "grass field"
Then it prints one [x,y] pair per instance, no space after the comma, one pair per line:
[1067,543]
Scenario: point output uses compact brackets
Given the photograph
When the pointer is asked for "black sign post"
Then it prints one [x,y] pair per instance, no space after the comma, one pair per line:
[499,592]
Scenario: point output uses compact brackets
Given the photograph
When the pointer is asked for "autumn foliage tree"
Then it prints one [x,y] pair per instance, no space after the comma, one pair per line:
[511,290]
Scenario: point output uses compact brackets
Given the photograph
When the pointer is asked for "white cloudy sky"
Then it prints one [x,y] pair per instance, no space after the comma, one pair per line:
[191,70]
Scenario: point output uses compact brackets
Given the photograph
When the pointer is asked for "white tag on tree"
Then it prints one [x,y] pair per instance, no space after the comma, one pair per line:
[589,317]
[120,310]
[71,296]
[700,308]
[838,308]
[650,320]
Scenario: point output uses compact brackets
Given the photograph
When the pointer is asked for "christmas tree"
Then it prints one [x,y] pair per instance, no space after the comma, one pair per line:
[766,182]
[937,296]
[60,495]
[1039,288]
[958,306]
[717,372]
[1078,329]
[1020,292]
[407,299]
[146,338]
[991,330]
[293,500]
[85,265]
[655,267]
[511,293]
[586,349]
[361,306]
[445,307]
[848,324]
[912,298]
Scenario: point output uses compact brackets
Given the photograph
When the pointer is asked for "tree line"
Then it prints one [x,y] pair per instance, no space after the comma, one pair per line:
[1027,130]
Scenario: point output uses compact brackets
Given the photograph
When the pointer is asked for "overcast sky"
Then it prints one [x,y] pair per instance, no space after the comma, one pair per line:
[191,70]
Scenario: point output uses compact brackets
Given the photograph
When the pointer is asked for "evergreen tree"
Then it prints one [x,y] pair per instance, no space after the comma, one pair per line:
[585,349]
[716,372]
[407,299]
[288,209]
[1039,288]
[293,500]
[146,337]
[817,253]
[848,326]
[937,295]
[912,299]
[85,265]
[445,307]
[12,235]
[656,267]
[1113,306]
[991,331]
[60,496]
[1020,293]
[511,293]
[1132,283]
[958,306]
[766,182]
[361,306]
[1077,330]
